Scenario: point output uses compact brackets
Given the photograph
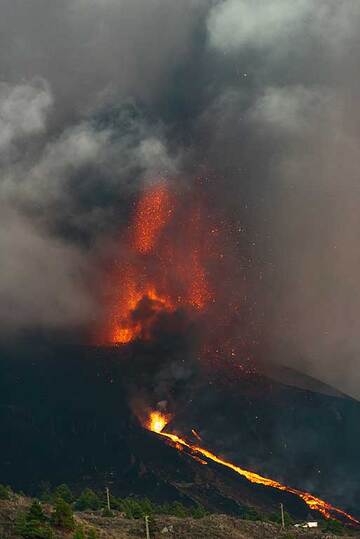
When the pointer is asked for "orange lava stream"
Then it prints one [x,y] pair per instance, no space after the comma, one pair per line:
[315,504]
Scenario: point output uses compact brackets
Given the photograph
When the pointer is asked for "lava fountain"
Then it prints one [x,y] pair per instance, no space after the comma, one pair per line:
[166,251]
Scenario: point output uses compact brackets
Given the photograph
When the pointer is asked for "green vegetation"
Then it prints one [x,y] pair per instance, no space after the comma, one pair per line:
[132,507]
[88,500]
[252,514]
[79,533]
[138,508]
[333,526]
[34,524]
[5,492]
[62,516]
[276,517]
[107,513]
[63,492]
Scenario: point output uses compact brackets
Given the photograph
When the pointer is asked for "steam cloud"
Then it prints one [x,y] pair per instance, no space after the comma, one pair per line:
[98,97]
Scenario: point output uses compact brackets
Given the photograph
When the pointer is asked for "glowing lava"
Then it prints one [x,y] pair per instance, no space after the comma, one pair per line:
[315,504]
[153,212]
[163,267]
[157,422]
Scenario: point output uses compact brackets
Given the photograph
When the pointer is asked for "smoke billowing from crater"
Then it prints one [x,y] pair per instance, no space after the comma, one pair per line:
[130,92]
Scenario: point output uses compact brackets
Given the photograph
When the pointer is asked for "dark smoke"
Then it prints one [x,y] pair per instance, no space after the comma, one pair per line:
[99,97]
[163,371]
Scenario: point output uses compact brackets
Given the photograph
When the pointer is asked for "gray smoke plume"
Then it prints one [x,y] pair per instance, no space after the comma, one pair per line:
[99,96]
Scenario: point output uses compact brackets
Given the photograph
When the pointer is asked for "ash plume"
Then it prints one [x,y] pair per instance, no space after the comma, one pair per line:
[259,99]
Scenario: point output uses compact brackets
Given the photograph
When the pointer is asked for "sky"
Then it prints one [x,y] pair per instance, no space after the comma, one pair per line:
[98,97]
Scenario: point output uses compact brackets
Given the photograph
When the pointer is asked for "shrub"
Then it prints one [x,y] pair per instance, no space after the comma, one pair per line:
[79,533]
[199,511]
[333,526]
[63,516]
[132,508]
[36,512]
[251,514]
[30,529]
[5,492]
[88,500]
[107,513]
[178,510]
[45,492]
[33,525]
[276,517]
[92,534]
[64,492]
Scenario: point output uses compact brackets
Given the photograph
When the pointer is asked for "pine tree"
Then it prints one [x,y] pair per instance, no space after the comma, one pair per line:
[64,492]
[33,525]
[63,516]
[88,500]
[5,492]
[36,512]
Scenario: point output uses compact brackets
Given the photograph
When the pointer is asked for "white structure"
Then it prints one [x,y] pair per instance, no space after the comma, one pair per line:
[307,525]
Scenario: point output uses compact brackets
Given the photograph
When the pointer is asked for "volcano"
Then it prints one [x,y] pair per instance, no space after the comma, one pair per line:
[66,409]
[169,402]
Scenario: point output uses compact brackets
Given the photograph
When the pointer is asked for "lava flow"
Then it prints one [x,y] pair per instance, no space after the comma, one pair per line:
[157,422]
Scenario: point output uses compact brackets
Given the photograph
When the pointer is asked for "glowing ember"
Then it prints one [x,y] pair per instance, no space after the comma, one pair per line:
[152,214]
[315,504]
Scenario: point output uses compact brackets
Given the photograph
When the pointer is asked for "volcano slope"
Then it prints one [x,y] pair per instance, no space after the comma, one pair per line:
[65,417]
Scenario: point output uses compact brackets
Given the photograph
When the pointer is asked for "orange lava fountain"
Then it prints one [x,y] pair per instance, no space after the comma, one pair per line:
[315,504]
[164,253]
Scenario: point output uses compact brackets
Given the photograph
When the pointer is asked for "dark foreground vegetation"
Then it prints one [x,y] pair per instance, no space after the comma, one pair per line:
[59,513]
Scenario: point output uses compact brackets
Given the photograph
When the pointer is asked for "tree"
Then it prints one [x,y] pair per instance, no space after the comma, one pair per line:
[30,529]
[5,492]
[45,492]
[63,516]
[64,492]
[34,525]
[132,508]
[88,500]
[36,512]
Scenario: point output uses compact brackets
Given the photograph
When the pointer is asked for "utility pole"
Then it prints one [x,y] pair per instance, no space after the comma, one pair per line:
[147,527]
[108,498]
[282,516]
